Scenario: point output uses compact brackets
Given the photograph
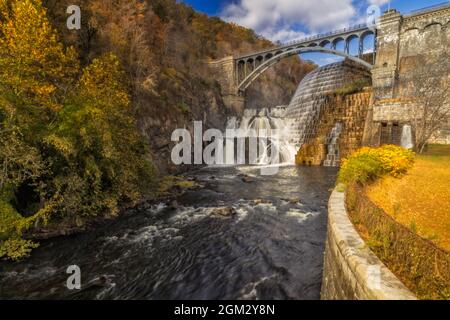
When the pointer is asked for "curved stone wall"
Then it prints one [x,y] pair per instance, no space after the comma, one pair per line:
[351,269]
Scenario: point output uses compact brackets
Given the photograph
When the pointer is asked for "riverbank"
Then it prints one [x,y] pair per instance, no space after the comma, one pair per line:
[164,190]
[272,248]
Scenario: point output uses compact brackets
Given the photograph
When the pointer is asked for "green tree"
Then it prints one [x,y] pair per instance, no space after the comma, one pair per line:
[96,138]
[69,146]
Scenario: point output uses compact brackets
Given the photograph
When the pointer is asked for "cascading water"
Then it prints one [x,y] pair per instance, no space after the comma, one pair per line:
[333,156]
[295,124]
[269,123]
[304,109]
[406,140]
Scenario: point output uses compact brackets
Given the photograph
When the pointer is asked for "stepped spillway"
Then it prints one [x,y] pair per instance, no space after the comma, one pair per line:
[305,106]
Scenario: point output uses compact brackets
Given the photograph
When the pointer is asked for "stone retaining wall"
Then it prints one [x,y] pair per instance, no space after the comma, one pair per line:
[351,269]
[351,111]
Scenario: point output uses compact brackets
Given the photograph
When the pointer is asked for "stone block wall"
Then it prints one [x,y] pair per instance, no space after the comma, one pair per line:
[224,72]
[351,270]
[403,42]
[351,111]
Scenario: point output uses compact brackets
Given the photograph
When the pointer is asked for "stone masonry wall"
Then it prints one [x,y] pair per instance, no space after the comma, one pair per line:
[351,270]
[351,111]
[402,43]
[224,72]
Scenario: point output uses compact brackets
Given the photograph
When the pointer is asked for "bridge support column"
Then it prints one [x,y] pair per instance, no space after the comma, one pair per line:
[360,48]
[226,73]
[385,71]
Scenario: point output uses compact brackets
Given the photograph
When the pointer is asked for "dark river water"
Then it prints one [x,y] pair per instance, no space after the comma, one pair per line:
[271,250]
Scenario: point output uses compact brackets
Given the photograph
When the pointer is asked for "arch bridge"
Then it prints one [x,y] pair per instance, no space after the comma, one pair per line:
[397,39]
[249,67]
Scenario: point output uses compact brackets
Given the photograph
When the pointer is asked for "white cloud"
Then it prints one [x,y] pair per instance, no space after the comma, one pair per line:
[330,60]
[377,2]
[284,35]
[280,19]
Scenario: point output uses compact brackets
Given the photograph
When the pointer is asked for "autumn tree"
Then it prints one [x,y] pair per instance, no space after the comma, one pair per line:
[96,139]
[69,146]
[428,85]
[35,70]
[35,73]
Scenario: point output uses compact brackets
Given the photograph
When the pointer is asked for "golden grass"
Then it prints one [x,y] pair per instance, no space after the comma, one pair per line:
[420,200]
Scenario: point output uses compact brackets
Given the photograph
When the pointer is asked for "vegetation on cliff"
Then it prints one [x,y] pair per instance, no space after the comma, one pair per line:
[69,146]
[163,45]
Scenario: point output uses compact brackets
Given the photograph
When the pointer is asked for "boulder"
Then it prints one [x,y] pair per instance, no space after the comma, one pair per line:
[260,201]
[224,211]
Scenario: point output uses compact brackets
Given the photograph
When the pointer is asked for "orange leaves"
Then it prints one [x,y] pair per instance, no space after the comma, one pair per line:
[32,60]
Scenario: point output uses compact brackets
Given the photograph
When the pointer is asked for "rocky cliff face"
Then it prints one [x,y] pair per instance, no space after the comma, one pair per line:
[163,46]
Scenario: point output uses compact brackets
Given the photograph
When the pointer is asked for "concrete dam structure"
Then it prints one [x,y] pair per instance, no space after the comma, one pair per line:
[325,126]
[311,101]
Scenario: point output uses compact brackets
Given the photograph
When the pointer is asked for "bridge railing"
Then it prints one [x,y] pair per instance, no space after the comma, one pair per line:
[328,34]
[311,38]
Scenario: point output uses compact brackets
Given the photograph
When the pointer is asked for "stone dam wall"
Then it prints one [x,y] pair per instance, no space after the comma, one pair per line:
[348,110]
[351,269]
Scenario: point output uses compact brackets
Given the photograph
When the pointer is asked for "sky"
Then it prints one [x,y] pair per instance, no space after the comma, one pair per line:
[286,20]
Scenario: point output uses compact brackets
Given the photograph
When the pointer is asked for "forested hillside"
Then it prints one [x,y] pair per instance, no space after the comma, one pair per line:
[164,45]
[86,115]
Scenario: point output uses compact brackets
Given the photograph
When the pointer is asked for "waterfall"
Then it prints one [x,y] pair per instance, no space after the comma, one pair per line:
[333,156]
[273,131]
[305,106]
[406,140]
[296,123]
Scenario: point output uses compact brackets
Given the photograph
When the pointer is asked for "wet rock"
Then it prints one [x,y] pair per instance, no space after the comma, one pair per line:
[224,211]
[261,201]
[292,200]
[133,233]
[247,179]
[173,205]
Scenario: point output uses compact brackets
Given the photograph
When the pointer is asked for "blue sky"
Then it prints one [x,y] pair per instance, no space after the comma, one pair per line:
[285,20]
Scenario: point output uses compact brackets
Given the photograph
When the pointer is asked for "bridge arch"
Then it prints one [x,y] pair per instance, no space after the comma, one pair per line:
[362,41]
[353,38]
[337,40]
[324,43]
[244,84]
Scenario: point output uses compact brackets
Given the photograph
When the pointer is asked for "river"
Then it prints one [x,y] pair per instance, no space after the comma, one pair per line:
[271,249]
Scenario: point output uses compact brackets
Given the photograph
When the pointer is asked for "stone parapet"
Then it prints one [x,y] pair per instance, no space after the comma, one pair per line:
[351,270]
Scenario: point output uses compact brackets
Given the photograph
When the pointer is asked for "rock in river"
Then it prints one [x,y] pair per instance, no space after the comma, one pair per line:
[224,211]
[247,179]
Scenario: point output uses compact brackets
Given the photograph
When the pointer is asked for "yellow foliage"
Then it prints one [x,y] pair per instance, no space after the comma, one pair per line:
[73,144]
[367,164]
[31,58]
[15,249]
[420,199]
